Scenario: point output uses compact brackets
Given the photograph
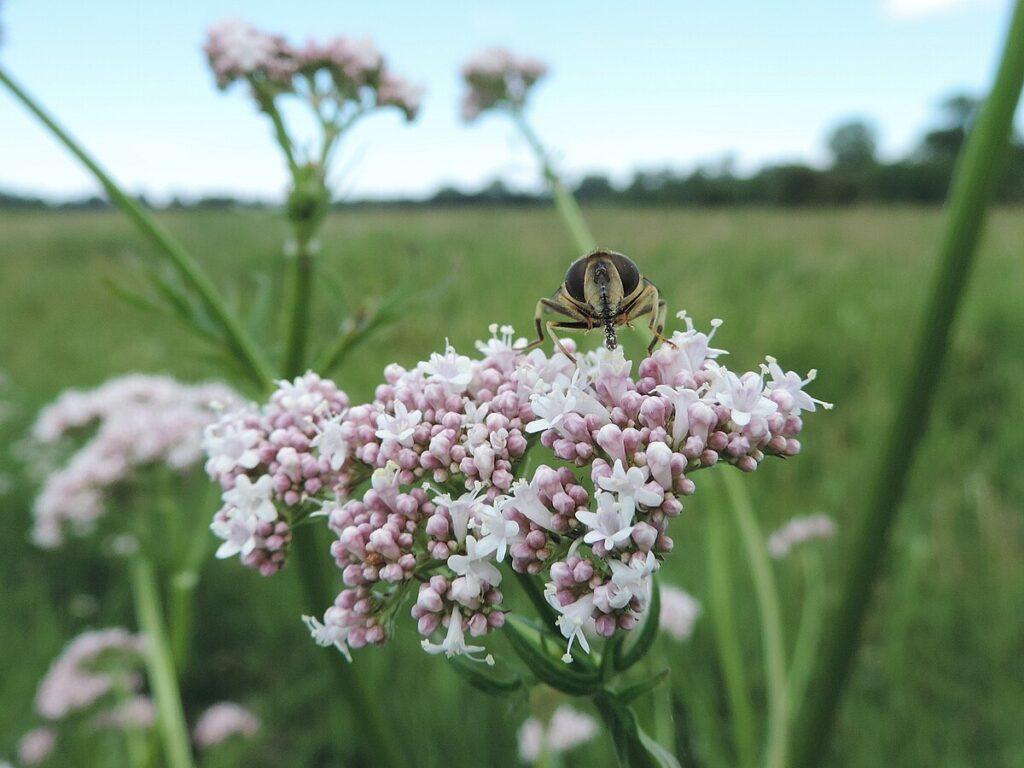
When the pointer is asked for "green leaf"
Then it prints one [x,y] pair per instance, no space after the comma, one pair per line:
[473,674]
[550,671]
[180,302]
[633,747]
[661,756]
[648,633]
[633,692]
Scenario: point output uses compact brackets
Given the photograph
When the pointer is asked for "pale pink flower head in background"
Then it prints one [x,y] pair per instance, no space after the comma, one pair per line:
[567,729]
[136,713]
[237,50]
[679,612]
[498,78]
[223,721]
[36,746]
[349,73]
[799,530]
[75,682]
[128,423]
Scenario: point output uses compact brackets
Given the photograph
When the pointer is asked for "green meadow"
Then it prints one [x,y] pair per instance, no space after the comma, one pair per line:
[940,676]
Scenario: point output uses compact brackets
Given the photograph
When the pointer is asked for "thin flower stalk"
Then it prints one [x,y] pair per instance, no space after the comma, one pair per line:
[160,665]
[498,80]
[339,81]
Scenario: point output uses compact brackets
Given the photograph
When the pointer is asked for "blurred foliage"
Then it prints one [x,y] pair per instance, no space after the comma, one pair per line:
[939,678]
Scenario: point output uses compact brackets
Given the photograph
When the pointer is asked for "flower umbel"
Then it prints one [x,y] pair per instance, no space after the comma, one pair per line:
[450,497]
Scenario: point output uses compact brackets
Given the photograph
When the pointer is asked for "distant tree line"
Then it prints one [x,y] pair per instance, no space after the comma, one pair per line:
[855,174]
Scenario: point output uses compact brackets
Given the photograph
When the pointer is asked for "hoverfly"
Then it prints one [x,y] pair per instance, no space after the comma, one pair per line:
[602,289]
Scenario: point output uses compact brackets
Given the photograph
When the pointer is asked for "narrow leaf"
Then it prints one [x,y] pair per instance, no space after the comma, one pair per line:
[550,671]
[635,691]
[474,674]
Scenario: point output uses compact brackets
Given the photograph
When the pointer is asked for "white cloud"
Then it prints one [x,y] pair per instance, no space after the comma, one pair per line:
[918,9]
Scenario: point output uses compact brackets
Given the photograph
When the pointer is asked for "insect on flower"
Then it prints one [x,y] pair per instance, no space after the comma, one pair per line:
[602,289]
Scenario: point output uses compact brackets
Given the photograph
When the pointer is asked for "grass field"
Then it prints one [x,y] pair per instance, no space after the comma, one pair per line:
[940,679]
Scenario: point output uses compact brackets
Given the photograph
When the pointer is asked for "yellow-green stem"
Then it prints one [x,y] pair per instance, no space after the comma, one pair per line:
[977,172]
[771,620]
[565,202]
[809,630]
[163,680]
[235,336]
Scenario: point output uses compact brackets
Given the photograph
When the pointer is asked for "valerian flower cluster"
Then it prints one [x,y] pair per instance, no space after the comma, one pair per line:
[97,676]
[349,74]
[498,78]
[128,423]
[430,494]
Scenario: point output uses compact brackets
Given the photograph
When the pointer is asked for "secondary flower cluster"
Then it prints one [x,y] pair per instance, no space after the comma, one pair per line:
[343,70]
[136,421]
[450,498]
[498,78]
[288,451]
[97,674]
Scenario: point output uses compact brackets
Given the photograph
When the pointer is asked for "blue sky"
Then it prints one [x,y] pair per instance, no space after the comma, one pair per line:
[649,83]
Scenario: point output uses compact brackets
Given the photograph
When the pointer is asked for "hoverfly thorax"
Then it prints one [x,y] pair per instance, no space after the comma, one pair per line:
[603,289]
[601,281]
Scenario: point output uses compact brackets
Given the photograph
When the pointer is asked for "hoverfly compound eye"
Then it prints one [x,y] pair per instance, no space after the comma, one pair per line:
[628,272]
[575,279]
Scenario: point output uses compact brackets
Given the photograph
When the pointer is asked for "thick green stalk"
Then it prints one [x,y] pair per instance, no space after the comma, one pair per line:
[379,746]
[160,665]
[977,173]
[238,341]
[720,593]
[299,310]
[565,203]
[771,618]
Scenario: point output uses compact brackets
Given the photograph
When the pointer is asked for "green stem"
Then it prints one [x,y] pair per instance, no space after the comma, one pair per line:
[382,749]
[299,308]
[280,131]
[565,202]
[720,592]
[809,631]
[977,172]
[771,618]
[235,336]
[160,665]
